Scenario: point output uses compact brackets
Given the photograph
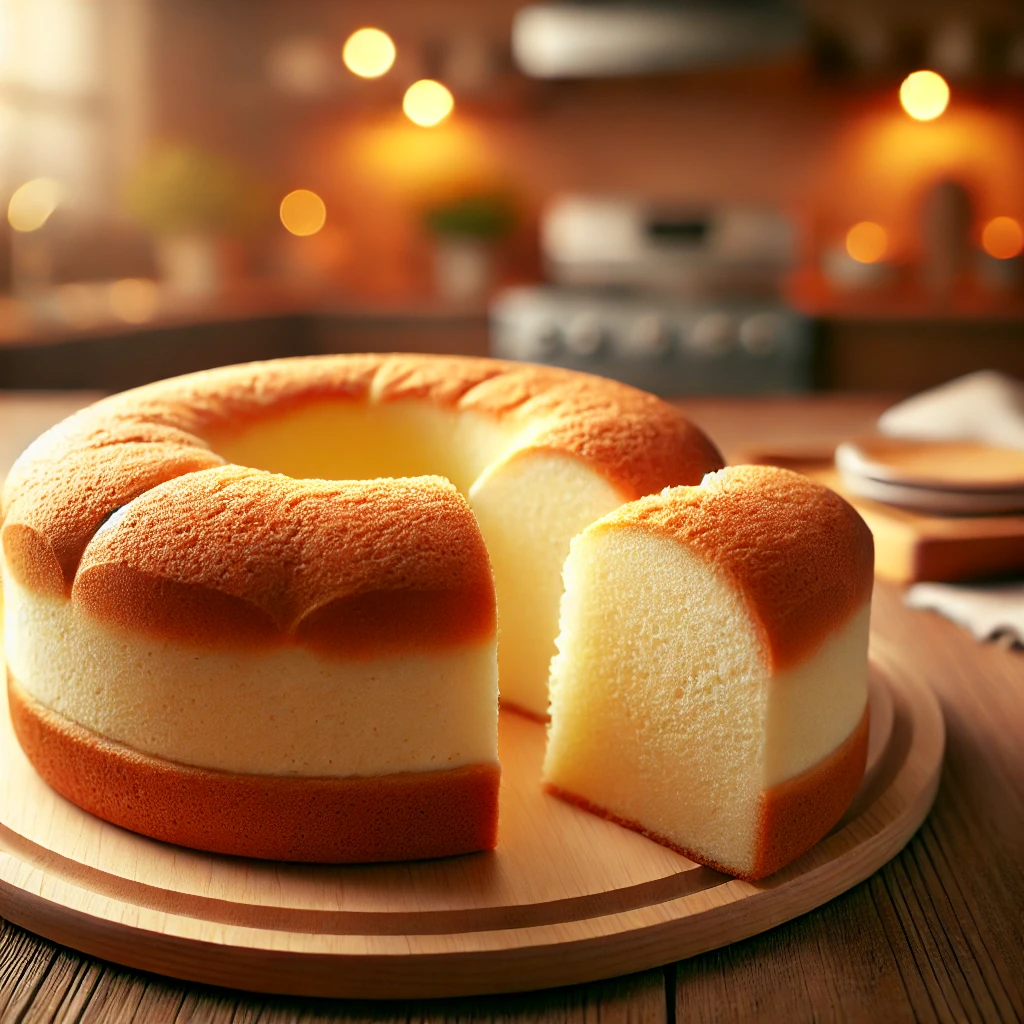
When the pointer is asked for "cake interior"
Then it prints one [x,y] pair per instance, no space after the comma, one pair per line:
[660,661]
[286,711]
[400,816]
[529,504]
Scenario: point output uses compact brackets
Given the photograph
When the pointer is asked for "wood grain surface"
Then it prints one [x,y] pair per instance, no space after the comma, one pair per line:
[936,935]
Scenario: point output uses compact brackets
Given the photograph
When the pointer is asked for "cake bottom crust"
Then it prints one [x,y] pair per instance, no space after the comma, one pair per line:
[793,815]
[405,816]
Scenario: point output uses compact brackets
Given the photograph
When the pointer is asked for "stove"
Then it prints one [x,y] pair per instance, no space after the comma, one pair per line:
[670,345]
[671,297]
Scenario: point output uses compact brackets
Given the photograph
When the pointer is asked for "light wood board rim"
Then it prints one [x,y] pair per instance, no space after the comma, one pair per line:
[964,467]
[36,892]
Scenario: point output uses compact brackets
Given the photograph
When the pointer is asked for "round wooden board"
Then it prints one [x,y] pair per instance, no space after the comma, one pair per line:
[567,897]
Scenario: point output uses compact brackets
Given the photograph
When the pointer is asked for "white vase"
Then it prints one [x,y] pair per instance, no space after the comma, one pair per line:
[190,265]
[463,268]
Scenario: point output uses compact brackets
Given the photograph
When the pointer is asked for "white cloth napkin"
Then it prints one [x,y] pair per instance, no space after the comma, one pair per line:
[987,610]
[987,407]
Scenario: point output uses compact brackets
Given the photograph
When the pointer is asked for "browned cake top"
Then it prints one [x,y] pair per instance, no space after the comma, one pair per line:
[67,483]
[233,556]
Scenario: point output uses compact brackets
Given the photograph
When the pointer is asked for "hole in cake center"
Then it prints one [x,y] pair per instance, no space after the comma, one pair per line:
[365,440]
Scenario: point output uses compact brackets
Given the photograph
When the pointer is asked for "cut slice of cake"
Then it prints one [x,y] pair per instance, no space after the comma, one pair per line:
[710,686]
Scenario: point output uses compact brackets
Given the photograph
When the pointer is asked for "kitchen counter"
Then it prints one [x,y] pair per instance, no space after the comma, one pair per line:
[246,324]
[863,343]
[936,935]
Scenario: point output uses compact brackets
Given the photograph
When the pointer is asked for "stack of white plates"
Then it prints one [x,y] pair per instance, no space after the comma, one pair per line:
[944,477]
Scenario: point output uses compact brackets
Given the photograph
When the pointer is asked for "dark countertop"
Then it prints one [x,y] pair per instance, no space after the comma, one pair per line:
[246,324]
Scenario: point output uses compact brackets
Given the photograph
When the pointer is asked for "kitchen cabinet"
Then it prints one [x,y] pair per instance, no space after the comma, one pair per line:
[908,354]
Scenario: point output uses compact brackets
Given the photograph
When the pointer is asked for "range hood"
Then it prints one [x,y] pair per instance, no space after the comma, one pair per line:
[598,40]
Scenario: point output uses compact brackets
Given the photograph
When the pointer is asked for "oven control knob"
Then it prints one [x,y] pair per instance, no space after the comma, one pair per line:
[712,335]
[762,333]
[650,336]
[584,335]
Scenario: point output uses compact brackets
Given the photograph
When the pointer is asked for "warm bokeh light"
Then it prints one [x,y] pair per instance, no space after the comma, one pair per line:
[368,53]
[31,205]
[881,158]
[1003,238]
[15,319]
[427,102]
[301,66]
[81,304]
[395,158]
[867,242]
[303,212]
[134,299]
[924,95]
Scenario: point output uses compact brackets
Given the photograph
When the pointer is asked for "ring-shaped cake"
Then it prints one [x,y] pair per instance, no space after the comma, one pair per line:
[240,617]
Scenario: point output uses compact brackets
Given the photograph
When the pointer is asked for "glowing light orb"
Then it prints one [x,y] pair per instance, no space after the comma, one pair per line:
[1003,238]
[303,212]
[427,102]
[924,95]
[867,242]
[31,205]
[368,53]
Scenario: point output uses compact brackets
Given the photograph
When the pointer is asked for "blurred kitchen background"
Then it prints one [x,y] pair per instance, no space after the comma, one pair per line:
[699,197]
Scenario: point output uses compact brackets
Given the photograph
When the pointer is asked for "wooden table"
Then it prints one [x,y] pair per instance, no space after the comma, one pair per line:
[936,935]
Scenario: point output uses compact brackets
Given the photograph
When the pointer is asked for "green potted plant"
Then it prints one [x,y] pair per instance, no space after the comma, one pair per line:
[466,230]
[192,201]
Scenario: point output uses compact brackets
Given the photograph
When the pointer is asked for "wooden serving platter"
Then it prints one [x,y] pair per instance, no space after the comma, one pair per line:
[944,478]
[964,466]
[567,897]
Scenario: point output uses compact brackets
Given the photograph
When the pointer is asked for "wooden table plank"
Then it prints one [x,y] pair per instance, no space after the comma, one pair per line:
[66,989]
[41,982]
[25,962]
[833,964]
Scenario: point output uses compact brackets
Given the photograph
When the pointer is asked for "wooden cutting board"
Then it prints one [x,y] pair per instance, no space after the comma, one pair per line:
[912,546]
[567,897]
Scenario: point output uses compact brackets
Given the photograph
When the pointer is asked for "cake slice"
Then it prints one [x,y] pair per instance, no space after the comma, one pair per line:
[710,686]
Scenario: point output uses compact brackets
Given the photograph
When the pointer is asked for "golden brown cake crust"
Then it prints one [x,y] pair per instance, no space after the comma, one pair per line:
[407,816]
[794,815]
[234,556]
[801,556]
[61,490]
